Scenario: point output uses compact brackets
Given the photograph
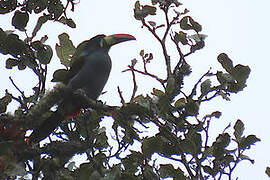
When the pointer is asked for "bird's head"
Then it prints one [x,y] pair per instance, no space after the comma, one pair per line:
[102,41]
[115,39]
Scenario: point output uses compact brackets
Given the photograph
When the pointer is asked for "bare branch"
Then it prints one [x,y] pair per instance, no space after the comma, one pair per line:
[120,95]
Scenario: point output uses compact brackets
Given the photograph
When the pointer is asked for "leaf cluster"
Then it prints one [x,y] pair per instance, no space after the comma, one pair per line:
[182,138]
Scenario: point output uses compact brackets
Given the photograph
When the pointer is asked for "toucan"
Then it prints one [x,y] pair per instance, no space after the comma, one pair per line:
[89,71]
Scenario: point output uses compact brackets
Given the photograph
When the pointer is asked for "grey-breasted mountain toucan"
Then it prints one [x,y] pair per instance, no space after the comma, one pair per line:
[89,71]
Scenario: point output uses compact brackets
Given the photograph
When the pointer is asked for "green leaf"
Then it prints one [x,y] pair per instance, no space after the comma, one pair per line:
[197,46]
[140,12]
[4,101]
[226,62]
[216,114]
[132,161]
[228,159]
[7,6]
[219,145]
[60,75]
[267,171]
[184,23]
[45,54]
[157,92]
[181,37]
[151,145]
[10,63]
[180,103]
[37,6]
[152,23]
[245,157]
[197,37]
[142,52]
[187,146]
[20,20]
[195,25]
[196,140]
[206,86]
[41,20]
[187,23]
[241,73]
[245,143]
[192,107]
[71,23]
[55,8]
[13,45]
[238,129]
[101,139]
[149,10]
[65,49]
[224,78]
[167,170]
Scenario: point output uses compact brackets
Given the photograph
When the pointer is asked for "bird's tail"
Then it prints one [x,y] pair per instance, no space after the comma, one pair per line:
[46,127]
[70,107]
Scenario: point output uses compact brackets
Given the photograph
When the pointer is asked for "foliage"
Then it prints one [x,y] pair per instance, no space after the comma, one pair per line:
[183,134]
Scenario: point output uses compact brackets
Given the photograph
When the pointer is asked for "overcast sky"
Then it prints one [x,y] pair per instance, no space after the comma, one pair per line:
[239,28]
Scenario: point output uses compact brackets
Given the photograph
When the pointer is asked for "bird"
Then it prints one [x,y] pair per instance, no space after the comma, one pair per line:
[89,71]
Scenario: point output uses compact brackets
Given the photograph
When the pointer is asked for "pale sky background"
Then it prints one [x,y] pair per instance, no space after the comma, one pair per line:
[239,28]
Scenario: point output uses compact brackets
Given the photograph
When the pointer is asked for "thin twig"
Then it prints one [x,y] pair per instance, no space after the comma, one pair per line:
[193,92]
[162,43]
[21,92]
[147,74]
[135,87]
[120,95]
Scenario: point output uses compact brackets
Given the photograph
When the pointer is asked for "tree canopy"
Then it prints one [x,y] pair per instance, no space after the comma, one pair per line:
[181,148]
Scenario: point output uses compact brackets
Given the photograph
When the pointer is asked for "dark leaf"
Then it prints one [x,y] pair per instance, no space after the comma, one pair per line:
[241,73]
[184,23]
[188,23]
[216,114]
[206,86]
[20,20]
[219,145]
[21,65]
[7,6]
[180,103]
[45,54]
[151,145]
[71,23]
[41,20]
[4,101]
[187,146]
[55,8]
[246,142]
[10,63]
[181,37]
[238,129]
[37,6]
[245,157]
[167,170]
[197,46]
[226,62]
[192,107]
[225,78]
[13,45]
[267,171]
[149,10]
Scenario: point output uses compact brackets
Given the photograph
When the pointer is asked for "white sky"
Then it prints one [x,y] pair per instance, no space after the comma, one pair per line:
[238,28]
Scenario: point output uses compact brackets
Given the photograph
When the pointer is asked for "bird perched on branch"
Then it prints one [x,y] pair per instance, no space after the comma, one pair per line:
[90,69]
